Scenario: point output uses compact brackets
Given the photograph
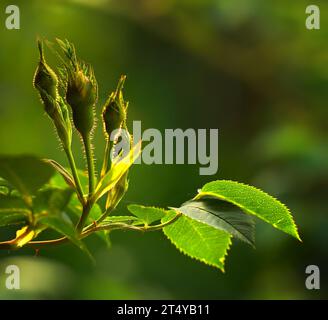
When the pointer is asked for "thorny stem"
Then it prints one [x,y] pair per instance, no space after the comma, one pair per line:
[9,245]
[91,175]
[90,164]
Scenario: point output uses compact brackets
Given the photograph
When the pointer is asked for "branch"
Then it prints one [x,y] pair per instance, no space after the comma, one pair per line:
[9,245]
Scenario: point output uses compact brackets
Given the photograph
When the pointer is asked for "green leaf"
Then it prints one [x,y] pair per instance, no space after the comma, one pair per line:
[221,215]
[52,200]
[61,224]
[147,214]
[198,240]
[26,173]
[112,220]
[50,206]
[12,210]
[119,168]
[252,201]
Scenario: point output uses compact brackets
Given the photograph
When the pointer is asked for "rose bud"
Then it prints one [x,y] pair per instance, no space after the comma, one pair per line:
[46,82]
[114,110]
[81,95]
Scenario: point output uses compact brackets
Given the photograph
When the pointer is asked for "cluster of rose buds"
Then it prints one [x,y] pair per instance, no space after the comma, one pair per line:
[71,97]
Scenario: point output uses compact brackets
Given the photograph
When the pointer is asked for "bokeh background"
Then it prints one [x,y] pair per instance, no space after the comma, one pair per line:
[247,67]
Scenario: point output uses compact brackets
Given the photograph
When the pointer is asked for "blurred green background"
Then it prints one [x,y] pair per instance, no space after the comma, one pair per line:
[247,67]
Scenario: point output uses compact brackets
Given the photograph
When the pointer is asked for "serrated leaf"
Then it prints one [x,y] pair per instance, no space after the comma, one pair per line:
[198,240]
[221,215]
[118,169]
[26,173]
[252,201]
[147,214]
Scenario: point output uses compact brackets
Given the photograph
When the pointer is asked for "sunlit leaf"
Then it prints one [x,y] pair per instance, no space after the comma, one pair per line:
[118,169]
[198,240]
[252,201]
[223,216]
[147,214]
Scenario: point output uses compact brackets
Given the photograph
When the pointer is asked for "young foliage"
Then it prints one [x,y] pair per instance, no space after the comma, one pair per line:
[147,215]
[37,195]
[223,216]
[253,201]
[198,240]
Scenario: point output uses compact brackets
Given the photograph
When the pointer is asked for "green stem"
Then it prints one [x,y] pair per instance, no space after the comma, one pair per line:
[76,178]
[9,245]
[90,163]
[84,216]
[119,225]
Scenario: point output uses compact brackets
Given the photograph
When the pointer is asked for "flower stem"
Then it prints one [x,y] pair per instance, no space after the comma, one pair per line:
[76,178]
[90,163]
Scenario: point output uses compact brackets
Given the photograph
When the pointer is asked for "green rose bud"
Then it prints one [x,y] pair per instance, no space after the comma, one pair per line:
[114,110]
[81,95]
[46,82]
